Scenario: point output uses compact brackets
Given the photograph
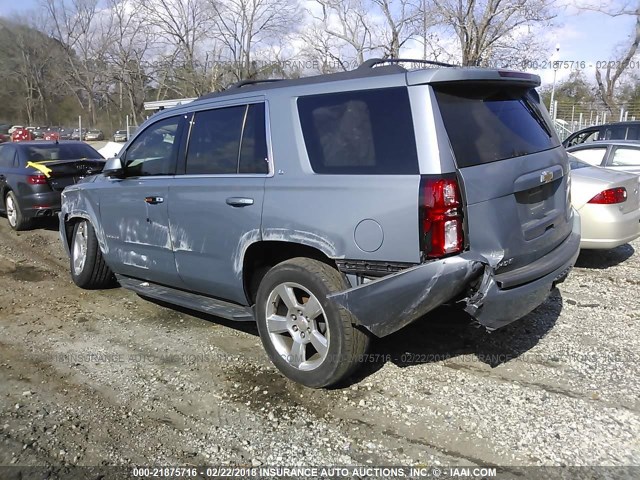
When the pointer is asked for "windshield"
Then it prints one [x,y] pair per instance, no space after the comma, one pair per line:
[61,151]
[491,122]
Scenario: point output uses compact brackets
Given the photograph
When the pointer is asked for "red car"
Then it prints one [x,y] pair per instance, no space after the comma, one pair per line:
[52,135]
[21,135]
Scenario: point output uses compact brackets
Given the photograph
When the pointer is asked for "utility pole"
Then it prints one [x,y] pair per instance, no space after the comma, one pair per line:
[553,87]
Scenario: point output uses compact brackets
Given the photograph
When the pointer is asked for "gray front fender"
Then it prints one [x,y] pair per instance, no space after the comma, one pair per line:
[77,204]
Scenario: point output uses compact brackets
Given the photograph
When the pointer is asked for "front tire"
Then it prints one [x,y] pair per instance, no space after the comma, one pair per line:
[310,339]
[88,268]
[15,217]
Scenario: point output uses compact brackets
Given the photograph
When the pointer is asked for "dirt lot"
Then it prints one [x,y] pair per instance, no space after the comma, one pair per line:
[105,377]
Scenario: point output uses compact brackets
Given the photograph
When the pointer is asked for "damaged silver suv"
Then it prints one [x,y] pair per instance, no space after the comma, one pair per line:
[335,208]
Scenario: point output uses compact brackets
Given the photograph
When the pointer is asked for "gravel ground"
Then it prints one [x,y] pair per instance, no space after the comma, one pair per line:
[107,378]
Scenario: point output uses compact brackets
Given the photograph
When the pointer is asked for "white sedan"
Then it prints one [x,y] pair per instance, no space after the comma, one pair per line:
[608,202]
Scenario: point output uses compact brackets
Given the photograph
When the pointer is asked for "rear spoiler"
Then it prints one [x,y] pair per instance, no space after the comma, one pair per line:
[46,167]
[471,74]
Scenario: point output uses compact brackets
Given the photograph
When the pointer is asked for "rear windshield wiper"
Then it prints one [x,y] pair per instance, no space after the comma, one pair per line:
[535,113]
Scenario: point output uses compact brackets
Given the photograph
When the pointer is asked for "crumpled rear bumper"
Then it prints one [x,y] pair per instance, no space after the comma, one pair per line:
[390,303]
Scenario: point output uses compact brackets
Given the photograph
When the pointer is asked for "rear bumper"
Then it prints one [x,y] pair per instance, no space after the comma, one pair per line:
[388,304]
[610,229]
[495,307]
[40,204]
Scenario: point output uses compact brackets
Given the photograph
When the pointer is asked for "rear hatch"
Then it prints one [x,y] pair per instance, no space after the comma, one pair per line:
[513,171]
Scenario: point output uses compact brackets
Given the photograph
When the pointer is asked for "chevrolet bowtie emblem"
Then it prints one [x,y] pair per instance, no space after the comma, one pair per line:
[546,177]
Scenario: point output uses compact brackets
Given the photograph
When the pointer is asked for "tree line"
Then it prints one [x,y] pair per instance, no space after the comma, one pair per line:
[104,58]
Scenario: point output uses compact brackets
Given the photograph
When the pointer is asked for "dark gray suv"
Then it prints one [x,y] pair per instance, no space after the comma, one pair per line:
[335,208]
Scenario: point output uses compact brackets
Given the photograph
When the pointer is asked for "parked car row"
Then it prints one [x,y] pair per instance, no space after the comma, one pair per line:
[312,207]
[20,133]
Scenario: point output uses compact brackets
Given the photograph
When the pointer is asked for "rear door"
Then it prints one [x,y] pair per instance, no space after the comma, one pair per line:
[215,205]
[514,171]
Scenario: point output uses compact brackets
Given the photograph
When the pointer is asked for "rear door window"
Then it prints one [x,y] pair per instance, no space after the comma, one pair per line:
[487,123]
[253,147]
[360,132]
[214,141]
[228,141]
[625,157]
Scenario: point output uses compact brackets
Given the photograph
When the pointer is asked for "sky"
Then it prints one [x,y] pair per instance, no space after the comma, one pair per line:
[581,35]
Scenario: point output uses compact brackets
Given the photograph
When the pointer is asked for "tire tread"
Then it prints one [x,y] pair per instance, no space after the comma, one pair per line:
[355,342]
[100,275]
[22,222]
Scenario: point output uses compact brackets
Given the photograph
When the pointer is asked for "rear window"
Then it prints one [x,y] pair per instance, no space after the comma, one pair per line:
[362,132]
[592,156]
[61,152]
[487,123]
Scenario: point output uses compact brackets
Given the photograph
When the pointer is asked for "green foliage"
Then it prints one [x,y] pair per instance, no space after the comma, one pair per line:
[574,90]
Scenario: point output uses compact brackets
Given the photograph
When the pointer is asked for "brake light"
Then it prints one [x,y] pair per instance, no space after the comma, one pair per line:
[37,180]
[610,196]
[440,217]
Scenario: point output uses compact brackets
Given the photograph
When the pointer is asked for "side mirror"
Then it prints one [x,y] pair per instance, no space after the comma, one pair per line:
[113,168]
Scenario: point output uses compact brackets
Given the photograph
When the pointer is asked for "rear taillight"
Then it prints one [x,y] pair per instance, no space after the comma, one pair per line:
[36,179]
[610,196]
[440,217]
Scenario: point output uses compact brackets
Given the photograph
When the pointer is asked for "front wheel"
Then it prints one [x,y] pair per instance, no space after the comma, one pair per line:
[310,339]
[88,268]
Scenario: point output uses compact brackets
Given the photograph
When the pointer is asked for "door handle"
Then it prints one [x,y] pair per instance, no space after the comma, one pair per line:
[154,200]
[239,201]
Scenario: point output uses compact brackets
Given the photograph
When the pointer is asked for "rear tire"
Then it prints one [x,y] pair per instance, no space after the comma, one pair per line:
[15,217]
[310,339]
[88,268]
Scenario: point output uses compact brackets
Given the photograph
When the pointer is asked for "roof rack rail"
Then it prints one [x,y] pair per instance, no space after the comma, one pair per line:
[244,83]
[377,61]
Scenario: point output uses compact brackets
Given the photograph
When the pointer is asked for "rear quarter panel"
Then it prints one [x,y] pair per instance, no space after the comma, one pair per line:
[324,211]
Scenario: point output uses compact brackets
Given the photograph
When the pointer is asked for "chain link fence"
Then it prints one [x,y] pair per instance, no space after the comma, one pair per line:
[571,117]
